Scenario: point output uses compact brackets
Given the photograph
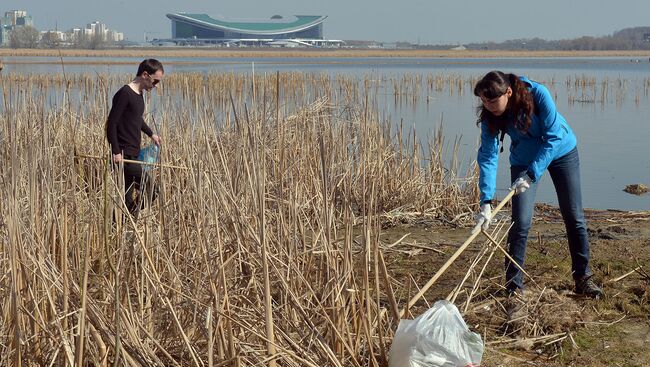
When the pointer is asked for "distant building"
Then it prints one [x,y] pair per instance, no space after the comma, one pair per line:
[11,20]
[97,28]
[25,21]
[4,35]
[54,37]
[202,26]
[95,31]
[115,36]
[16,16]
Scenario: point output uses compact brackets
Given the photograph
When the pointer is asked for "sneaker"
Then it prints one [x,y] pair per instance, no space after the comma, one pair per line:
[586,287]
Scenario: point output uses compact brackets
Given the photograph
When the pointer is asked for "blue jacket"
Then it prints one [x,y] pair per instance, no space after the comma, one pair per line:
[549,137]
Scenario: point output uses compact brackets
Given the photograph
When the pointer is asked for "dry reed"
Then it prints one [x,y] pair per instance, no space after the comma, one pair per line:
[247,258]
[264,249]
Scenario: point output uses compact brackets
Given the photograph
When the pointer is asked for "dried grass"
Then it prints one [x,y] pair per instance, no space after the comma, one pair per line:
[246,258]
[263,250]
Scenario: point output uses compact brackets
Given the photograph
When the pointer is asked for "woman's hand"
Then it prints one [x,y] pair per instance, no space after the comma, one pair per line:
[483,218]
[521,184]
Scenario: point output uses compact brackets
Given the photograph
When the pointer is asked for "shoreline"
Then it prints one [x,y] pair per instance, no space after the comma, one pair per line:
[314,53]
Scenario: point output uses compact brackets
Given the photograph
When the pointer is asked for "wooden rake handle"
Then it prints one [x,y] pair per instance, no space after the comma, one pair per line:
[453,257]
[134,161]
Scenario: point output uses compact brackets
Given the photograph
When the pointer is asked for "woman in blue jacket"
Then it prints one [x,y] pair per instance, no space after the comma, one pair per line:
[541,140]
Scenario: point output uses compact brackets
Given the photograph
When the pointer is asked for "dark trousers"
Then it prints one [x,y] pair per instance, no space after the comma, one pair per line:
[565,173]
[139,186]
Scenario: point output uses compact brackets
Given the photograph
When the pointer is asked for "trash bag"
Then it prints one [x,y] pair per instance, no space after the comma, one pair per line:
[149,154]
[437,338]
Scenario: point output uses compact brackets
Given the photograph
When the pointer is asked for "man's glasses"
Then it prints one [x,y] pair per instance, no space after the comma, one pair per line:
[154,81]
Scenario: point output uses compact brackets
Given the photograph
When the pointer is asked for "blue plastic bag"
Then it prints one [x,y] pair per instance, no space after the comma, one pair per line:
[149,154]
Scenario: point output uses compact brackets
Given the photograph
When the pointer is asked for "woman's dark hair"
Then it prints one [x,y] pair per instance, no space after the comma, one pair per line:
[150,66]
[520,105]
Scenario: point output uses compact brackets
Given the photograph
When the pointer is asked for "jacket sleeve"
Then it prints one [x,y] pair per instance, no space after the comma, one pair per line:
[146,129]
[552,132]
[120,101]
[488,159]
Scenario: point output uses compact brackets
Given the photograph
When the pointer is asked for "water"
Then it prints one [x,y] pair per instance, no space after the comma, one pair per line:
[613,133]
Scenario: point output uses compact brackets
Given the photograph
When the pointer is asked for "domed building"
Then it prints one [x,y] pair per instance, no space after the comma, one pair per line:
[203,26]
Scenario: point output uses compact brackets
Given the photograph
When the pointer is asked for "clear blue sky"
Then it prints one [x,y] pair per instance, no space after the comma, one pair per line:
[427,21]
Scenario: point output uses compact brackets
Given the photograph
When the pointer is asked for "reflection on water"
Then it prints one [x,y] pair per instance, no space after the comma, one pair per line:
[605,100]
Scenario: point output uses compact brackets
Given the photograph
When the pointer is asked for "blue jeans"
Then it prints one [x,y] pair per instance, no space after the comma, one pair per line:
[565,173]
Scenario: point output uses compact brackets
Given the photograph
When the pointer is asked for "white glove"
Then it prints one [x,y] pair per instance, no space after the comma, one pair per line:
[521,184]
[483,218]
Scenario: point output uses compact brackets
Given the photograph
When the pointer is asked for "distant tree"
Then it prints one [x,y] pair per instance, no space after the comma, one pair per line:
[50,40]
[76,40]
[96,42]
[24,37]
[637,38]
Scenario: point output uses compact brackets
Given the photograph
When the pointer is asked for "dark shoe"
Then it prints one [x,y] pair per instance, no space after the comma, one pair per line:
[516,312]
[586,287]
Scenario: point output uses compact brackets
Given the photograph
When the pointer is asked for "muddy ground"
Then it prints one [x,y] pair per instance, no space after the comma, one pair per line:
[561,328]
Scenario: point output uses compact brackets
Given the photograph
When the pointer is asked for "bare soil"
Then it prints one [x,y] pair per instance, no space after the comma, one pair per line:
[562,328]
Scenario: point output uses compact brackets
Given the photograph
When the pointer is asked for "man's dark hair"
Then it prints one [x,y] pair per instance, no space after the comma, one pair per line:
[150,66]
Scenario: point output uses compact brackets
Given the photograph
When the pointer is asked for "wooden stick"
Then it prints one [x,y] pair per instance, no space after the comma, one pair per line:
[208,325]
[624,275]
[135,162]
[453,258]
[480,275]
[532,340]
[423,247]
[389,289]
[494,242]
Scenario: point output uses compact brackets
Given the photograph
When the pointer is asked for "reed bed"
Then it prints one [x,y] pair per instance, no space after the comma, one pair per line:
[263,251]
[404,91]
[263,247]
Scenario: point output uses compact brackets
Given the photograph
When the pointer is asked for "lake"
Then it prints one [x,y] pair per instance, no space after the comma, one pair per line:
[605,100]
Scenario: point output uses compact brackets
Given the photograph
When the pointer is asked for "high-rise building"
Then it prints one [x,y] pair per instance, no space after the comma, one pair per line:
[14,15]
[24,21]
[98,28]
[115,36]
[11,20]
[4,35]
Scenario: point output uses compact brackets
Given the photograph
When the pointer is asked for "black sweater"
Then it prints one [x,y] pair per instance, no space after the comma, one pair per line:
[125,122]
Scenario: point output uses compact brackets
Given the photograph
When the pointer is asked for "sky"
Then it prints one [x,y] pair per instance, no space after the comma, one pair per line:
[415,21]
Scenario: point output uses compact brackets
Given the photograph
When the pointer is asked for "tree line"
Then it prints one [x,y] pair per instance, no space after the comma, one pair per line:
[636,38]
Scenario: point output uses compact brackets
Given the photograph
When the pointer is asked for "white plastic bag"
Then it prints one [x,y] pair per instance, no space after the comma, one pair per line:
[437,338]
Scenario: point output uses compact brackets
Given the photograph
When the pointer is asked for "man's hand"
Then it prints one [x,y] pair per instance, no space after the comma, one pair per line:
[521,184]
[483,218]
[156,139]
[117,158]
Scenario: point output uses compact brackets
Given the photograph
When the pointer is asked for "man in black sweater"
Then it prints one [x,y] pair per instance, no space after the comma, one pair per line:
[123,127]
